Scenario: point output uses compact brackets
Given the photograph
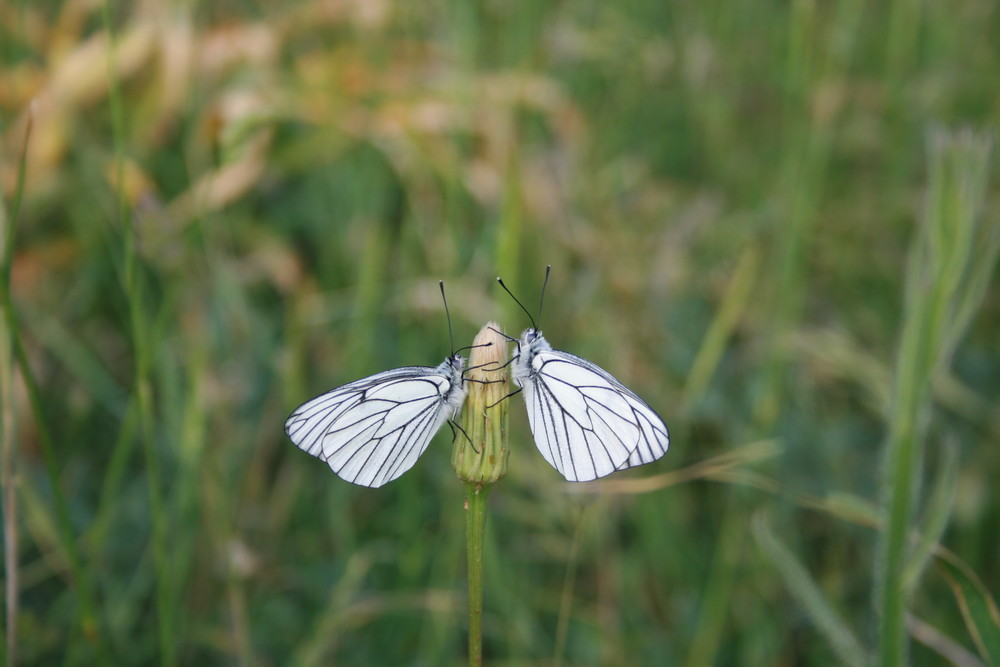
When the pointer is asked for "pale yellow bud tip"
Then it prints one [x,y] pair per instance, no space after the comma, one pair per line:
[489,353]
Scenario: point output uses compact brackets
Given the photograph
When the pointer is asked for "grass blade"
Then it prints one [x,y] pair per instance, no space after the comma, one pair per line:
[140,330]
[941,290]
[940,643]
[79,572]
[938,512]
[979,609]
[802,586]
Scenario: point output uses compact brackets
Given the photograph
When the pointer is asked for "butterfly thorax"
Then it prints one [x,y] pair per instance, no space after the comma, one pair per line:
[531,344]
[452,369]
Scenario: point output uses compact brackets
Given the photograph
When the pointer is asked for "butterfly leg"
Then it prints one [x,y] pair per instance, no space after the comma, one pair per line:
[483,381]
[513,393]
[452,424]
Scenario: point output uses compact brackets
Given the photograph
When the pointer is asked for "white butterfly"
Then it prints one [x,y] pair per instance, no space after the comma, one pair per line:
[374,429]
[586,423]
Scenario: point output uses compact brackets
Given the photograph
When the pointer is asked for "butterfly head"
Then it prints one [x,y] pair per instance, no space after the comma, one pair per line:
[453,368]
[533,341]
[454,364]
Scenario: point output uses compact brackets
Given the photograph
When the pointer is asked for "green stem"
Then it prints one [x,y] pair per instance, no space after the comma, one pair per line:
[903,469]
[79,572]
[165,591]
[475,523]
[941,286]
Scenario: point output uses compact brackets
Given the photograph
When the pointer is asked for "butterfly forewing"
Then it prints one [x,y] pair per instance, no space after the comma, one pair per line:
[373,430]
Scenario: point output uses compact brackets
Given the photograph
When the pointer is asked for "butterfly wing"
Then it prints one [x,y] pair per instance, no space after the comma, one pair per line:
[586,423]
[373,430]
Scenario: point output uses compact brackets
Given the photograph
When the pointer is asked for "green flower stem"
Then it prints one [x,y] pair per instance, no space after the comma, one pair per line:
[475,524]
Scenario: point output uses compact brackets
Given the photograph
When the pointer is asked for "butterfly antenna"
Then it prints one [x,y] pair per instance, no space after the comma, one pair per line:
[472,347]
[533,325]
[447,314]
[497,331]
[541,299]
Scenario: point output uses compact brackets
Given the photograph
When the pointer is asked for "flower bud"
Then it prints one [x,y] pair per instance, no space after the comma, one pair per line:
[479,454]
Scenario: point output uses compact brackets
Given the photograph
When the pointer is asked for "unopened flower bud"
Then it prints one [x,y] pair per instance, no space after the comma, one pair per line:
[480,452]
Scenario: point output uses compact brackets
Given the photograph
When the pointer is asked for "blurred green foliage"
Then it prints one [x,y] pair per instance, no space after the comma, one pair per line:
[231,207]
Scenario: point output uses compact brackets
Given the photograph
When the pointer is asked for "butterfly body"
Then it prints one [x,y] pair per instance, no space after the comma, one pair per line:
[372,430]
[585,422]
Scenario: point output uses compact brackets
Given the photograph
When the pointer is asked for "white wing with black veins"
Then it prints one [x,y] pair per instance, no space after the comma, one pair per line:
[586,423]
[373,430]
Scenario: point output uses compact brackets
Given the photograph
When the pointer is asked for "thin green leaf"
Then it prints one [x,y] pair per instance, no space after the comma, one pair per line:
[938,512]
[979,609]
[805,589]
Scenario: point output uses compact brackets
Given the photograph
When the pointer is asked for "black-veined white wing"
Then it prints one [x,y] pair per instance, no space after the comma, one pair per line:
[373,430]
[586,423]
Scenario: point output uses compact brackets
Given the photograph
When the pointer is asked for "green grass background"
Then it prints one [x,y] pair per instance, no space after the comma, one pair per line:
[762,216]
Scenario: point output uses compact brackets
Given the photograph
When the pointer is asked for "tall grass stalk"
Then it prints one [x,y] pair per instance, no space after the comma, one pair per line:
[8,458]
[819,50]
[89,623]
[566,600]
[949,265]
[140,330]
[716,596]
[8,479]
[79,571]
